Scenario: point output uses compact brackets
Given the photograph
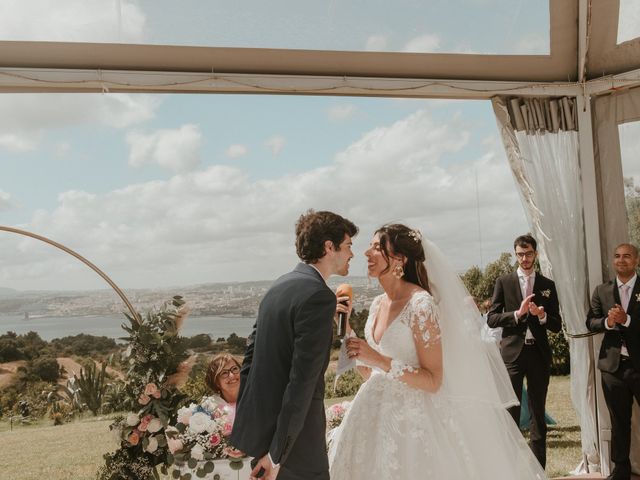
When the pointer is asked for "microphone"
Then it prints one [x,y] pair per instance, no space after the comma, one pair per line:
[344,290]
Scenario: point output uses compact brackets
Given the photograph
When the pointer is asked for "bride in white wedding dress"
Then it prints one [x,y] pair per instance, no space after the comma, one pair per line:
[434,402]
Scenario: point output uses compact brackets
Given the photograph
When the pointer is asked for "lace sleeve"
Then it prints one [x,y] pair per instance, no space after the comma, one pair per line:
[424,321]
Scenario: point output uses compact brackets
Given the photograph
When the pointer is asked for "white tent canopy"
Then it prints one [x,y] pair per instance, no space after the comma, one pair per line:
[585,62]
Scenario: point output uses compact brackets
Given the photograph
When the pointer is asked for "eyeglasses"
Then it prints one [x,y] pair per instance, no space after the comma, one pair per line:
[525,254]
[224,374]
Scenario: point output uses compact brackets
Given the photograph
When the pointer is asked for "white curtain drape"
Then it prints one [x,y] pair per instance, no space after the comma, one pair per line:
[541,142]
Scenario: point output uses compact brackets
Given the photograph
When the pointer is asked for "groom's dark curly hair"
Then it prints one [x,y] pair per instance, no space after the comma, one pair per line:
[314,228]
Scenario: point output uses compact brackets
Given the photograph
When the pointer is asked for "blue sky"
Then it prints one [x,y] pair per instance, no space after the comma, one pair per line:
[169,190]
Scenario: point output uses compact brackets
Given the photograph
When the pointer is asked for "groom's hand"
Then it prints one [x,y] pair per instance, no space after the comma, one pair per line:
[524,306]
[264,469]
[344,305]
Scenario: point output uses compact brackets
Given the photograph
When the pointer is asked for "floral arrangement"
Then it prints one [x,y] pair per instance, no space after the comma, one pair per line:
[335,413]
[157,365]
[202,435]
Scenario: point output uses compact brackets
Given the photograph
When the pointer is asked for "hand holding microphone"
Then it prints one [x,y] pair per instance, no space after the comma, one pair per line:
[345,297]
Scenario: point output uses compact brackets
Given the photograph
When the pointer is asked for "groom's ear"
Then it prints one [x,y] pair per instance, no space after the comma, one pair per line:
[328,246]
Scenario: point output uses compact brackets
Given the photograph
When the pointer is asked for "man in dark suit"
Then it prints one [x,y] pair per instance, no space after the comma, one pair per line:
[615,310]
[280,418]
[525,305]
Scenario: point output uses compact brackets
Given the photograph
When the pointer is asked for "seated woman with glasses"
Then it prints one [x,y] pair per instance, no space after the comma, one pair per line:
[223,377]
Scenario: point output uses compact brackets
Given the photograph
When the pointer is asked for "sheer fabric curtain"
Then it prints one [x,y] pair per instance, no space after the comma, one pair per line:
[541,140]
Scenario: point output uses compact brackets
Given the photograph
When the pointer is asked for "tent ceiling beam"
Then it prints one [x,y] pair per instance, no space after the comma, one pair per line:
[51,80]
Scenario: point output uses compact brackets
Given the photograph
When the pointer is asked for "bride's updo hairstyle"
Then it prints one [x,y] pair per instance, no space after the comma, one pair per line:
[397,239]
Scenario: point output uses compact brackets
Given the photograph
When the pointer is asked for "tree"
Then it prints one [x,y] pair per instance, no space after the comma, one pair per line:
[632,200]
[492,271]
[472,279]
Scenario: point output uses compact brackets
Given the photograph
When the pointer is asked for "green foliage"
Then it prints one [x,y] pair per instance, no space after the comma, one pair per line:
[92,386]
[199,342]
[236,345]
[66,395]
[115,397]
[21,347]
[195,387]
[632,200]
[492,271]
[560,361]
[154,354]
[83,345]
[347,386]
[45,368]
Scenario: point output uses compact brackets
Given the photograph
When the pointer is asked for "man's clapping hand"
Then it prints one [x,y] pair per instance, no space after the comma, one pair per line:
[524,306]
[616,315]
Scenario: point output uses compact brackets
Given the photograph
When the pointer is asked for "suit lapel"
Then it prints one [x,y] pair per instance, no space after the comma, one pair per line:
[633,300]
[616,292]
[515,281]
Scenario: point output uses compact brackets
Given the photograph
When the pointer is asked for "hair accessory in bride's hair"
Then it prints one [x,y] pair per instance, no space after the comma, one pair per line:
[415,235]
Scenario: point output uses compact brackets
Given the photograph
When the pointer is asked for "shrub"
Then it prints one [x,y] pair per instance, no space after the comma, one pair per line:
[347,386]
[45,368]
[560,360]
[236,345]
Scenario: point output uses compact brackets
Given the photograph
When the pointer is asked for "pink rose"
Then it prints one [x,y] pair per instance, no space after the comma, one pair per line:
[134,438]
[144,423]
[215,439]
[226,429]
[174,445]
[144,399]
[152,390]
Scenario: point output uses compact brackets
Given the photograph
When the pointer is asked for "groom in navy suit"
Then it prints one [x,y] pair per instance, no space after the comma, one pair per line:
[615,311]
[525,304]
[280,419]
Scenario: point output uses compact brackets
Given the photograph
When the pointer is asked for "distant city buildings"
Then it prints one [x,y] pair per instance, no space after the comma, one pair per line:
[218,299]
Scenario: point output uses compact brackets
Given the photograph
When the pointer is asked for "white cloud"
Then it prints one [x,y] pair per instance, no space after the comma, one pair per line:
[341,112]
[275,144]
[376,43]
[72,20]
[24,118]
[218,224]
[5,201]
[426,43]
[177,149]
[236,151]
[629,20]
[16,143]
[34,112]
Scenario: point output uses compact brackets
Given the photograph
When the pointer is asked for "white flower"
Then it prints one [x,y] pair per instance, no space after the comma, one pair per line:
[184,414]
[153,444]
[154,425]
[199,422]
[197,452]
[132,419]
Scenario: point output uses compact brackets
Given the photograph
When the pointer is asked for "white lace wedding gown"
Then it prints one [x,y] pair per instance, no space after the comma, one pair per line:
[396,432]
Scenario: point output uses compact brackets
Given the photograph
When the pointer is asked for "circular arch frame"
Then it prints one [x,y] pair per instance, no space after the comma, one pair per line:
[104,276]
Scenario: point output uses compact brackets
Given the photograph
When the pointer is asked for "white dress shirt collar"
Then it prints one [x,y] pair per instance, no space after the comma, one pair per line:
[631,283]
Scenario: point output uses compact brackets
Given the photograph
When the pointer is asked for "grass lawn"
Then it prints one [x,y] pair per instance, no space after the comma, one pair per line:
[74,451]
[564,451]
[44,452]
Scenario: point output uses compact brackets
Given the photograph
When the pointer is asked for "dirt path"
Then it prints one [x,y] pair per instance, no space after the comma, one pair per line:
[8,372]
[73,368]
